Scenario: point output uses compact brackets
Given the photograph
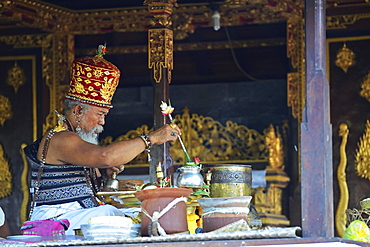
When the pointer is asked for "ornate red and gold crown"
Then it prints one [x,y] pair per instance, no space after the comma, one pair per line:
[93,80]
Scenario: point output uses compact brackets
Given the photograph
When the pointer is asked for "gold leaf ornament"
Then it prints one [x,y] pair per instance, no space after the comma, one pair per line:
[362,158]
[16,77]
[365,87]
[5,109]
[5,175]
[345,58]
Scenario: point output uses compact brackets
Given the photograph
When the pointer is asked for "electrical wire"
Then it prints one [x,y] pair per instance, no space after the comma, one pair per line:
[236,60]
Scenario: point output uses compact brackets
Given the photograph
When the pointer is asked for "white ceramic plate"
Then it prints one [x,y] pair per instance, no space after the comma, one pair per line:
[24,237]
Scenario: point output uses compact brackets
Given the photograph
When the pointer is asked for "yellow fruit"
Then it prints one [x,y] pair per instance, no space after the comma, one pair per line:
[358,231]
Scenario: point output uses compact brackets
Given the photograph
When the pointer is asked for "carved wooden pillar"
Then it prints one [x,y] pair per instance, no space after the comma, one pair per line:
[316,132]
[160,61]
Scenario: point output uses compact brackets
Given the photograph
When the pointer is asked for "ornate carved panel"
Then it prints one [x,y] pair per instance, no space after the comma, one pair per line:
[53,19]
[160,52]
[211,141]
[5,175]
[296,80]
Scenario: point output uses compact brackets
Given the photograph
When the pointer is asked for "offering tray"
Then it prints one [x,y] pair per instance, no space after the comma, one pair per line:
[120,199]
[112,193]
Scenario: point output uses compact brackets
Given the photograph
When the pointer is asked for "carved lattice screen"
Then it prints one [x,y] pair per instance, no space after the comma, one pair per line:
[209,140]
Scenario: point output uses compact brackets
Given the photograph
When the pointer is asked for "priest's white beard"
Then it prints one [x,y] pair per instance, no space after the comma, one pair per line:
[92,135]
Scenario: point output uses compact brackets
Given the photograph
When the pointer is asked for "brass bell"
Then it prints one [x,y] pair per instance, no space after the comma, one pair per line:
[113,183]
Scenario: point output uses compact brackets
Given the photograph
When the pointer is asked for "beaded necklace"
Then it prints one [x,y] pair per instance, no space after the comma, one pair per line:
[93,186]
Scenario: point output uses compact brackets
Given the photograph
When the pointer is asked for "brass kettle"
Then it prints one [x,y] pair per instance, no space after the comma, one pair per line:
[190,177]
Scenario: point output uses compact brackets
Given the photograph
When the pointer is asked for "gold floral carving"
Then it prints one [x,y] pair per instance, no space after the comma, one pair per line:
[293,93]
[340,215]
[342,21]
[5,175]
[365,87]
[296,80]
[57,57]
[182,25]
[287,8]
[256,1]
[16,77]
[5,109]
[362,157]
[160,53]
[52,19]
[236,2]
[293,41]
[161,11]
[209,140]
[345,58]
[213,142]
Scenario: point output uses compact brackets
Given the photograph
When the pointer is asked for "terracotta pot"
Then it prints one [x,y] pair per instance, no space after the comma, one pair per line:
[219,212]
[173,221]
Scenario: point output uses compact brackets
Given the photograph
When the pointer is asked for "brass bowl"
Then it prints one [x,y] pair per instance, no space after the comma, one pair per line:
[78,232]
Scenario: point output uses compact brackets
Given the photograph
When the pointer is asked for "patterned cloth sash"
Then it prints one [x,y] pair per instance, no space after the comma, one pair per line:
[59,183]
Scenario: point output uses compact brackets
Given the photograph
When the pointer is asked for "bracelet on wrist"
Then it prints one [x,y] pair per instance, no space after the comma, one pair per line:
[145,137]
[148,144]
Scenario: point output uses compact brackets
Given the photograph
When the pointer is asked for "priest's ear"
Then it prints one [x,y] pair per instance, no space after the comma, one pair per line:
[78,110]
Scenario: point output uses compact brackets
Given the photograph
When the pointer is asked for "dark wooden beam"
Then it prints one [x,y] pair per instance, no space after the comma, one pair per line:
[160,61]
[160,153]
[316,133]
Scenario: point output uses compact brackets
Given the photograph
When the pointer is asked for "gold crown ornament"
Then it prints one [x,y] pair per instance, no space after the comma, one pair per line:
[93,80]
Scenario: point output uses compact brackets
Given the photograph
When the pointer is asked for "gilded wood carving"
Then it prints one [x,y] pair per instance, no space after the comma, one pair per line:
[296,79]
[53,19]
[362,158]
[24,187]
[340,215]
[5,109]
[209,140]
[5,175]
[365,87]
[160,52]
[343,21]
[274,145]
[345,58]
[16,77]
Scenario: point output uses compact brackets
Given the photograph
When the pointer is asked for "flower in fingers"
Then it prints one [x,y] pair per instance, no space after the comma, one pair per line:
[166,109]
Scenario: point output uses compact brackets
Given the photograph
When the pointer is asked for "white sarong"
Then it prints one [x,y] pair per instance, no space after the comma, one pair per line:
[74,213]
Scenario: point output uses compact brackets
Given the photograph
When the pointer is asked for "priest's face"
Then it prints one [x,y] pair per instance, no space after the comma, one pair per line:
[92,121]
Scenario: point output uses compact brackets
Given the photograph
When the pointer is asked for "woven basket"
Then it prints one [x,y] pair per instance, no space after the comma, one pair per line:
[356,214]
[240,225]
